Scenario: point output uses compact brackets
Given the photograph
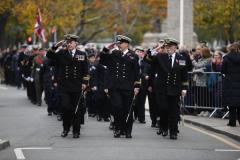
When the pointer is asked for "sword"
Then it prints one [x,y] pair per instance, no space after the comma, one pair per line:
[131,108]
[79,100]
[182,108]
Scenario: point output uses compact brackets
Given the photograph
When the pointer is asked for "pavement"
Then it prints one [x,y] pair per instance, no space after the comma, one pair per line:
[216,125]
[36,135]
[3,143]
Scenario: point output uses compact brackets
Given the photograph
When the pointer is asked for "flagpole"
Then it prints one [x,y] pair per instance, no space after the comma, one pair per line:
[34,38]
[55,36]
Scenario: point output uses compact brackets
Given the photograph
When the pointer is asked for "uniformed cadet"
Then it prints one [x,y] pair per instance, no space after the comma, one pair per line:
[21,60]
[27,71]
[170,83]
[144,75]
[122,83]
[96,84]
[50,91]
[90,102]
[37,70]
[152,89]
[72,80]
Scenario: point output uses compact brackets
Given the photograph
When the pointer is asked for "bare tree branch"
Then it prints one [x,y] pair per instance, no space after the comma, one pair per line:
[95,33]
[134,21]
[81,25]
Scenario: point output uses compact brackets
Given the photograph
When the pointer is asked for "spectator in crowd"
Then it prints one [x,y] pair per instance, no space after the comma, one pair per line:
[201,65]
[231,83]
[217,62]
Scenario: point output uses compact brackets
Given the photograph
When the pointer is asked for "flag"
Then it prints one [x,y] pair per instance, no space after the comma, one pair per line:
[39,31]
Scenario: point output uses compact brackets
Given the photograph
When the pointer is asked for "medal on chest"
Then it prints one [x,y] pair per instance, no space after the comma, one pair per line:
[80,57]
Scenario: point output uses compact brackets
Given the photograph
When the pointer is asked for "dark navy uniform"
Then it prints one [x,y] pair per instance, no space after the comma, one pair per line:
[91,104]
[123,77]
[72,73]
[37,70]
[99,96]
[143,92]
[51,94]
[170,81]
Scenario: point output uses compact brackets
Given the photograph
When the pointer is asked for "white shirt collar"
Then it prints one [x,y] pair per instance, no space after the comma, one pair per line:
[125,52]
[173,58]
[74,50]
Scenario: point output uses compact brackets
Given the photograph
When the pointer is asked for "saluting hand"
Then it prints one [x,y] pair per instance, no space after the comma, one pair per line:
[106,91]
[184,93]
[84,86]
[110,46]
[94,88]
[136,91]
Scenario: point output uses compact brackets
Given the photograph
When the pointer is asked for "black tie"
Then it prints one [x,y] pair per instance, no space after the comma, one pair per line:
[170,59]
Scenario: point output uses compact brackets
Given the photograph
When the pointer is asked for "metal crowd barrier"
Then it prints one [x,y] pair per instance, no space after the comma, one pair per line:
[204,91]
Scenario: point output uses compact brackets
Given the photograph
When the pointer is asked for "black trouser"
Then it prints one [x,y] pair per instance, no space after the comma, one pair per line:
[90,103]
[32,92]
[102,106]
[121,101]
[39,90]
[51,98]
[234,113]
[69,101]
[140,104]
[152,107]
[169,112]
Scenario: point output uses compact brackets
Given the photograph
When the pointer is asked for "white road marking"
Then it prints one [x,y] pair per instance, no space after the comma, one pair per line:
[3,88]
[233,145]
[226,150]
[19,151]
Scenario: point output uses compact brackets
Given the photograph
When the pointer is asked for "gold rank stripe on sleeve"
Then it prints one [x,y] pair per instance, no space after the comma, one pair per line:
[86,78]
[137,84]
[185,83]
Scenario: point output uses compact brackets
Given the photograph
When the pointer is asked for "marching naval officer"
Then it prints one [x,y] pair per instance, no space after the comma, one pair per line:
[72,67]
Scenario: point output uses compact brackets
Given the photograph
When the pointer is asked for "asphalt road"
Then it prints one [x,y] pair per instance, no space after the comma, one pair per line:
[36,136]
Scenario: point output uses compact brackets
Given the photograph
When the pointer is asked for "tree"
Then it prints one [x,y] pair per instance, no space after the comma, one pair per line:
[217,19]
[90,19]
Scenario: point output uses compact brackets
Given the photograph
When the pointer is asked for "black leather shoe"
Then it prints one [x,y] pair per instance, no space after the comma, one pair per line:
[153,125]
[159,132]
[117,134]
[128,135]
[231,125]
[106,119]
[111,126]
[76,135]
[142,121]
[99,118]
[64,134]
[164,133]
[59,118]
[122,133]
[173,136]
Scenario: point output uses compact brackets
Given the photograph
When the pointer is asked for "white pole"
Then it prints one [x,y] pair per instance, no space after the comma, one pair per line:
[55,35]
[181,22]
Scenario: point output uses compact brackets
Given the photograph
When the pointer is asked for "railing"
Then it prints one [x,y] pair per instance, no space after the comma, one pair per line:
[204,91]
